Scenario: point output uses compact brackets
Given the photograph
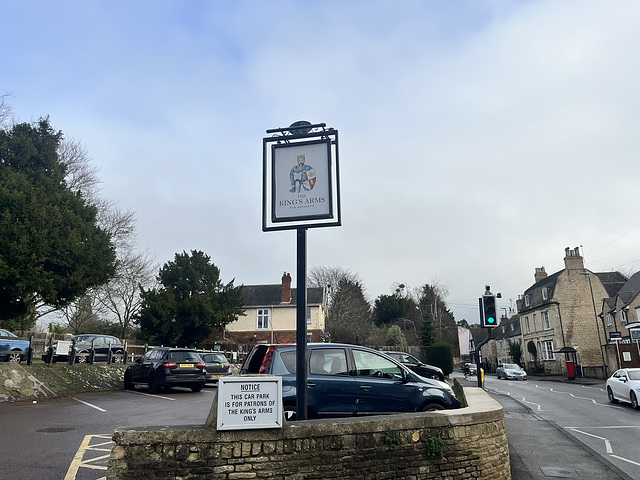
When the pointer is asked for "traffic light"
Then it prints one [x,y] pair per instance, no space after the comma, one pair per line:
[488,318]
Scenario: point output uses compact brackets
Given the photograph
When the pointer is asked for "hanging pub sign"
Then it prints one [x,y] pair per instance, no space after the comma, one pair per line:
[300,179]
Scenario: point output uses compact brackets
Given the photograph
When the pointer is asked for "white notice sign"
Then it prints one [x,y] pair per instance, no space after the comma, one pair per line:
[246,403]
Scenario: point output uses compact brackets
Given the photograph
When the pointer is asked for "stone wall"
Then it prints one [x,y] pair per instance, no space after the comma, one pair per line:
[468,443]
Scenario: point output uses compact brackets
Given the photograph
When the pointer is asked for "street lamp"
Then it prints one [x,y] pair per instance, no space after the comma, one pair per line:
[595,314]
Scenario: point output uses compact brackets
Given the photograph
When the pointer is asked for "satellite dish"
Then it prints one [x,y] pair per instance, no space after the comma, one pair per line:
[301,127]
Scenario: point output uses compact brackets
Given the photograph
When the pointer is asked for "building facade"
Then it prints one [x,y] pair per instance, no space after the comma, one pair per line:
[620,315]
[558,318]
[271,314]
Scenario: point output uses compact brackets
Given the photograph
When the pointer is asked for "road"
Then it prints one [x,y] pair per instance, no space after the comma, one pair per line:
[610,430]
[70,439]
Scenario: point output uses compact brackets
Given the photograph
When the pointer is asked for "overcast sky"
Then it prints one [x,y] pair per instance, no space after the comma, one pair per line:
[478,139]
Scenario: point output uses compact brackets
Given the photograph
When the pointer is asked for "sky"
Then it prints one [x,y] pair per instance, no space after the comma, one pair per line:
[478,139]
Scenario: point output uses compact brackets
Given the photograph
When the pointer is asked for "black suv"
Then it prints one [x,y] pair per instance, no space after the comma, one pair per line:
[167,367]
[349,380]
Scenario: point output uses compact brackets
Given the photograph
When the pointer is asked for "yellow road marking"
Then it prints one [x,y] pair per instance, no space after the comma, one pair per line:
[103,445]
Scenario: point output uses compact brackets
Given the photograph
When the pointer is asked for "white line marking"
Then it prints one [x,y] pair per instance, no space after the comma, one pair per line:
[625,460]
[607,444]
[89,404]
[150,395]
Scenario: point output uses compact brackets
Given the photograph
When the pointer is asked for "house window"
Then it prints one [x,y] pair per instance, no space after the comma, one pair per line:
[545,293]
[308,315]
[609,320]
[547,350]
[263,319]
[546,325]
[623,316]
[527,300]
[637,314]
[526,321]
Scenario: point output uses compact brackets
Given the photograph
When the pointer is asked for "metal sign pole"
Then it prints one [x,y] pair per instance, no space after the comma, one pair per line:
[301,326]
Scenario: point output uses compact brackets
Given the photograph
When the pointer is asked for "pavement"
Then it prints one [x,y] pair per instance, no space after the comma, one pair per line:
[539,449]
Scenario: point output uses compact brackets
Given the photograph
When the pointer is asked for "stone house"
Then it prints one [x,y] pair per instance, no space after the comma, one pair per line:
[559,321]
[508,333]
[271,314]
[620,315]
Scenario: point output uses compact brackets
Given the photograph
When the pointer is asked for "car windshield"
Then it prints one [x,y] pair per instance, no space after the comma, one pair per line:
[511,366]
[634,374]
[213,357]
[7,333]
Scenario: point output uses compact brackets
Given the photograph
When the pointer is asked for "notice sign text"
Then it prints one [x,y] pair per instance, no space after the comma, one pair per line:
[249,403]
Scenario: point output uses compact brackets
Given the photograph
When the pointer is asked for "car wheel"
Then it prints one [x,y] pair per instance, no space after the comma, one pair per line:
[634,401]
[14,357]
[153,384]
[290,413]
[197,387]
[610,395]
[128,384]
[431,407]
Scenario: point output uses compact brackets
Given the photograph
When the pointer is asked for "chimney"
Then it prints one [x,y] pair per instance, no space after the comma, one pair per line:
[540,274]
[286,288]
[572,259]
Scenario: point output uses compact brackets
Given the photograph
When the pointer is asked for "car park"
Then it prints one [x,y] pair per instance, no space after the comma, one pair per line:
[511,371]
[469,369]
[422,369]
[81,347]
[165,367]
[216,365]
[349,380]
[624,385]
[15,348]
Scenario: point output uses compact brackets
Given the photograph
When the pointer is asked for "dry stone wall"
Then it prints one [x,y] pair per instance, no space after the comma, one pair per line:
[469,443]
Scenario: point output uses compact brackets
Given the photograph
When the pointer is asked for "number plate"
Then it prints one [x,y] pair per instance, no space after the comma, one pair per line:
[186,365]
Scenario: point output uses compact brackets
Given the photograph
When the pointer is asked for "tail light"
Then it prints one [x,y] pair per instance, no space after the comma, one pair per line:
[266,362]
[229,368]
[202,364]
[168,364]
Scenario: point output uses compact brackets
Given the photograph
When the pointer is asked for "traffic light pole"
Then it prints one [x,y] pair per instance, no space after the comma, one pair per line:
[478,347]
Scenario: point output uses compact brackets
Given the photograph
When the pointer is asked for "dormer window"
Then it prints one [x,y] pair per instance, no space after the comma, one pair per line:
[527,300]
[545,293]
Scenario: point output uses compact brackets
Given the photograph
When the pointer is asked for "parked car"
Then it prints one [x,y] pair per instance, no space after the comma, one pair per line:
[422,369]
[349,380]
[217,366]
[165,367]
[10,342]
[82,345]
[511,371]
[624,385]
[470,369]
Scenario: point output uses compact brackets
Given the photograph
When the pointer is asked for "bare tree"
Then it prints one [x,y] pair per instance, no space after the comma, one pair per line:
[330,278]
[6,114]
[81,314]
[121,296]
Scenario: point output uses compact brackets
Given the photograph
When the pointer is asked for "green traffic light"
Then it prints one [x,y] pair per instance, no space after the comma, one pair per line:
[491,320]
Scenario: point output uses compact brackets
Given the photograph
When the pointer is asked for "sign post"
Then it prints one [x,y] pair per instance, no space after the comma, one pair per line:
[301,190]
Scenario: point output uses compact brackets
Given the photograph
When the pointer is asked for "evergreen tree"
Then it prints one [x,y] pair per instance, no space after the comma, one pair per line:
[189,302]
[51,248]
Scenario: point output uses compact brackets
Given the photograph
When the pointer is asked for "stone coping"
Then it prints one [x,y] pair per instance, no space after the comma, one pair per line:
[482,409]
